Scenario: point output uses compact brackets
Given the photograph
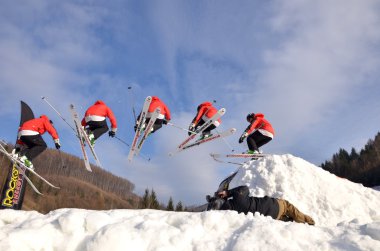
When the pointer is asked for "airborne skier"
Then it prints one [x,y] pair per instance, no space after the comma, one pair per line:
[29,135]
[258,133]
[205,112]
[163,118]
[95,120]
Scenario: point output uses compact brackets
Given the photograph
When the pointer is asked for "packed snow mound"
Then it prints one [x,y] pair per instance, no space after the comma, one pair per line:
[345,213]
[79,229]
[330,200]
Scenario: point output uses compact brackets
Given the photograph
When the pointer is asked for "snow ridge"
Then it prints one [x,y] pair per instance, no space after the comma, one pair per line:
[347,218]
[320,194]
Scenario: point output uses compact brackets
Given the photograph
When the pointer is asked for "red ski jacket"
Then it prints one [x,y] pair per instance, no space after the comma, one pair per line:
[205,111]
[164,113]
[98,112]
[260,124]
[39,125]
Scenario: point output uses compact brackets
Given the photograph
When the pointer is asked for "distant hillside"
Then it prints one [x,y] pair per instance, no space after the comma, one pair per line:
[362,167]
[98,189]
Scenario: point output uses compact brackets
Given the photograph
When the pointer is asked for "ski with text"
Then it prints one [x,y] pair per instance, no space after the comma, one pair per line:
[238,155]
[201,128]
[148,130]
[80,137]
[22,168]
[139,128]
[205,140]
[92,150]
[221,157]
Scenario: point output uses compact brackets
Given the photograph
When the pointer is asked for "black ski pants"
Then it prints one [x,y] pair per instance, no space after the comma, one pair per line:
[35,146]
[157,124]
[256,140]
[208,129]
[98,128]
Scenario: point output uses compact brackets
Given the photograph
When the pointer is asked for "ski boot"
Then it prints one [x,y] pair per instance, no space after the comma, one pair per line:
[26,162]
[205,136]
[253,152]
[91,137]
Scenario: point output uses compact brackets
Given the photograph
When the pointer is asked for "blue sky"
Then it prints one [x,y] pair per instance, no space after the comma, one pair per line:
[310,66]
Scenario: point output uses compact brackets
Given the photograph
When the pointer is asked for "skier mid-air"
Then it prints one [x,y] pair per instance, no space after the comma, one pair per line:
[95,121]
[30,143]
[205,112]
[163,118]
[258,133]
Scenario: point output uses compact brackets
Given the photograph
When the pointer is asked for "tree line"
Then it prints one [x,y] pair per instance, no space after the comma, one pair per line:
[360,167]
[150,201]
[99,189]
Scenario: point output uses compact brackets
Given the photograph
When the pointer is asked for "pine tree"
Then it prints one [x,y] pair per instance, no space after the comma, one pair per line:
[145,202]
[362,167]
[179,207]
[170,206]
[154,204]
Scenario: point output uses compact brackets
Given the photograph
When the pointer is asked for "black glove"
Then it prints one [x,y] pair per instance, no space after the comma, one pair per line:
[111,134]
[242,137]
[17,148]
[135,128]
[57,144]
[165,122]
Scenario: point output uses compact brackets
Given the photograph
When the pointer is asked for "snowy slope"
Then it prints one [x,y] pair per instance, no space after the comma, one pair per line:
[320,194]
[346,214]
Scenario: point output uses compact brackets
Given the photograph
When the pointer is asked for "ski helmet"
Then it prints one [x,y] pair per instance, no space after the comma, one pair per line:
[250,116]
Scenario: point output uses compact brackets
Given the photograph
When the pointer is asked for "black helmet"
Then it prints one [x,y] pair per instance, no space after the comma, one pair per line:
[250,116]
[214,203]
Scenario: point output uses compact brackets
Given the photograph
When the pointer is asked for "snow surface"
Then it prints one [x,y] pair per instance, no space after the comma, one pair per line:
[347,217]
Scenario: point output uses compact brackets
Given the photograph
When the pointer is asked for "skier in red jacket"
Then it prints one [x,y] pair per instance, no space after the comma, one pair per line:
[29,138]
[95,120]
[163,118]
[205,111]
[258,133]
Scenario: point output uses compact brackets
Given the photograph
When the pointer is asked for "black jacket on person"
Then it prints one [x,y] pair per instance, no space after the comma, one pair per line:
[243,203]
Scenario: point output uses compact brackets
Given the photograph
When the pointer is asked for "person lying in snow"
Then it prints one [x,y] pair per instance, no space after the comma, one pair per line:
[238,199]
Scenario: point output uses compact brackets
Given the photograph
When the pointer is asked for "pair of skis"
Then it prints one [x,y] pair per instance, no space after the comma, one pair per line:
[186,144]
[22,169]
[143,129]
[82,135]
[219,157]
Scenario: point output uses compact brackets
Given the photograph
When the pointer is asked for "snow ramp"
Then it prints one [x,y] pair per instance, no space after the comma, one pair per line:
[329,199]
